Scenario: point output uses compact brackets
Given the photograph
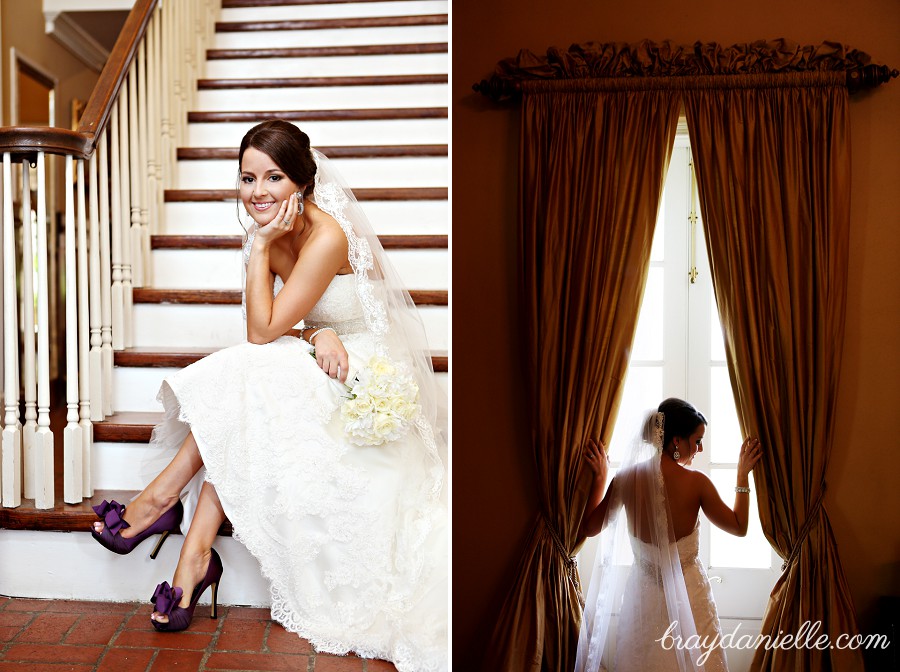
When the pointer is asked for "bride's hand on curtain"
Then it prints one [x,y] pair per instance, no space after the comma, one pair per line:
[751,452]
[596,459]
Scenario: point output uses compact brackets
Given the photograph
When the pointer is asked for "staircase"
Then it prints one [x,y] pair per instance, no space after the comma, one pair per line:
[367,81]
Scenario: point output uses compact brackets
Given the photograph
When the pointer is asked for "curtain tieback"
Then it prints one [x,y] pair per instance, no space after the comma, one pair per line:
[569,561]
[804,531]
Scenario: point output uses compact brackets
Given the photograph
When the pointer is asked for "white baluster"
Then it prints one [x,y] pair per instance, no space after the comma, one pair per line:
[125,219]
[141,236]
[115,211]
[177,26]
[154,134]
[29,380]
[164,38]
[43,452]
[12,439]
[72,447]
[96,364]
[106,337]
[84,379]
[131,173]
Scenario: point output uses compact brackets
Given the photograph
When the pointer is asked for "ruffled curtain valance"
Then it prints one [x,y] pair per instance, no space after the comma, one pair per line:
[592,60]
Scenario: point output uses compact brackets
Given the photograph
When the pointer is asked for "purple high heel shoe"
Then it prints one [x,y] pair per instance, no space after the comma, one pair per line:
[166,598]
[112,512]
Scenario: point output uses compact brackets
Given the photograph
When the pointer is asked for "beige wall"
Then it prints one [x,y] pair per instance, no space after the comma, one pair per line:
[22,23]
[493,480]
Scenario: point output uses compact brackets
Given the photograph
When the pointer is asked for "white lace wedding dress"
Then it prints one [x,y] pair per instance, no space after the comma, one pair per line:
[352,539]
[644,618]
[649,606]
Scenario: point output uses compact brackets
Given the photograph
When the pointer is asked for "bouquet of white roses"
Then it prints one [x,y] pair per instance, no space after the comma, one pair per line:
[382,405]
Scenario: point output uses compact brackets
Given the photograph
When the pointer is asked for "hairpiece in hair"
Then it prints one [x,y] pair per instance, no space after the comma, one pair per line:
[659,430]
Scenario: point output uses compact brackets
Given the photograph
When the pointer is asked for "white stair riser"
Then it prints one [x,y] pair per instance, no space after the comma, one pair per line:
[329,66]
[221,269]
[118,466]
[333,11]
[175,325]
[58,565]
[330,37]
[325,133]
[322,98]
[135,389]
[387,218]
[399,172]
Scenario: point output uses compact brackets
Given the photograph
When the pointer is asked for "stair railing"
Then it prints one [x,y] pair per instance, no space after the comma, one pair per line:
[134,120]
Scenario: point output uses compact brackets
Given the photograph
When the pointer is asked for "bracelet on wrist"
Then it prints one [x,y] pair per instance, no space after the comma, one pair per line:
[741,489]
[317,332]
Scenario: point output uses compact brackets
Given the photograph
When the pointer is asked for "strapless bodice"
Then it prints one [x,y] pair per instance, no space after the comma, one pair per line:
[688,550]
[338,307]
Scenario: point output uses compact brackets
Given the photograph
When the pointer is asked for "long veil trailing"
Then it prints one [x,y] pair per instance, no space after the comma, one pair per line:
[391,316]
[637,608]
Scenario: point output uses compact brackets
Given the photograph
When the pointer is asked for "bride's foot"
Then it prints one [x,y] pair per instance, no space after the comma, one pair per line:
[109,532]
[174,607]
[140,514]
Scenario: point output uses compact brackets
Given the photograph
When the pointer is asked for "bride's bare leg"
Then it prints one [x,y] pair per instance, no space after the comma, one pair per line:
[163,491]
[195,552]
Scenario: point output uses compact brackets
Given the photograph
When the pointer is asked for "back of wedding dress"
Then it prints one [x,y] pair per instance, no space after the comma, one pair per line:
[638,606]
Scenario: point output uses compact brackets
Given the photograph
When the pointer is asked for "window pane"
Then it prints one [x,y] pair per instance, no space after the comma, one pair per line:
[724,432]
[657,249]
[716,336]
[643,391]
[648,341]
[727,550]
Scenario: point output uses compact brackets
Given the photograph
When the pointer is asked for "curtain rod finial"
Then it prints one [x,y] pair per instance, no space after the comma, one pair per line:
[496,89]
[869,76]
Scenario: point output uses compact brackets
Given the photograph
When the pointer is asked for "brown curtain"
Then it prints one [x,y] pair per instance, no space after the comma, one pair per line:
[591,174]
[772,156]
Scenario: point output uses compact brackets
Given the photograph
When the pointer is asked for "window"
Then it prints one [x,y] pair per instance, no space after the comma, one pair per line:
[679,352]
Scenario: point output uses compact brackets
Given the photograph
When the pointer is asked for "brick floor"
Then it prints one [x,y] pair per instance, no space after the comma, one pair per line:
[62,636]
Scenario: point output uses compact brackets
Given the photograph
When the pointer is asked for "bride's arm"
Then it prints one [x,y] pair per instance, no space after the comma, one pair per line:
[321,257]
[734,521]
[592,521]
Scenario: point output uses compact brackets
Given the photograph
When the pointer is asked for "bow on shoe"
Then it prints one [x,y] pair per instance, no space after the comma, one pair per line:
[112,513]
[165,598]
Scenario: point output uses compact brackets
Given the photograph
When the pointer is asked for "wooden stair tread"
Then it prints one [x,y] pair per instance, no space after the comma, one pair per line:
[327,24]
[347,152]
[177,357]
[307,52]
[179,242]
[361,114]
[296,82]
[71,517]
[421,297]
[378,194]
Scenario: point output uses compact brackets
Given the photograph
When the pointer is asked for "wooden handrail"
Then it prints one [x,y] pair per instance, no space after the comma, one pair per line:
[28,140]
[96,113]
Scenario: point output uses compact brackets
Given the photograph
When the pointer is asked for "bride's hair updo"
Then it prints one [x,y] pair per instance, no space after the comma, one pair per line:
[286,145]
[681,419]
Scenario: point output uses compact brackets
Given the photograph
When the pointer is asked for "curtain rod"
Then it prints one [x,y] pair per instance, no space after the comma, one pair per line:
[656,65]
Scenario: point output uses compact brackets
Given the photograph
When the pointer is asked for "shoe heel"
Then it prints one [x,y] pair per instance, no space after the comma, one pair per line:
[162,538]
[213,612]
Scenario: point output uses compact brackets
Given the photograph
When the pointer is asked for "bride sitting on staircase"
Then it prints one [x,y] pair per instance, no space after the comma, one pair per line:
[319,444]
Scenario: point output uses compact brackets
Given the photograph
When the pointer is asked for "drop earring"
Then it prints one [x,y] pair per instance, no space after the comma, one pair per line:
[300,203]
[676,454]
